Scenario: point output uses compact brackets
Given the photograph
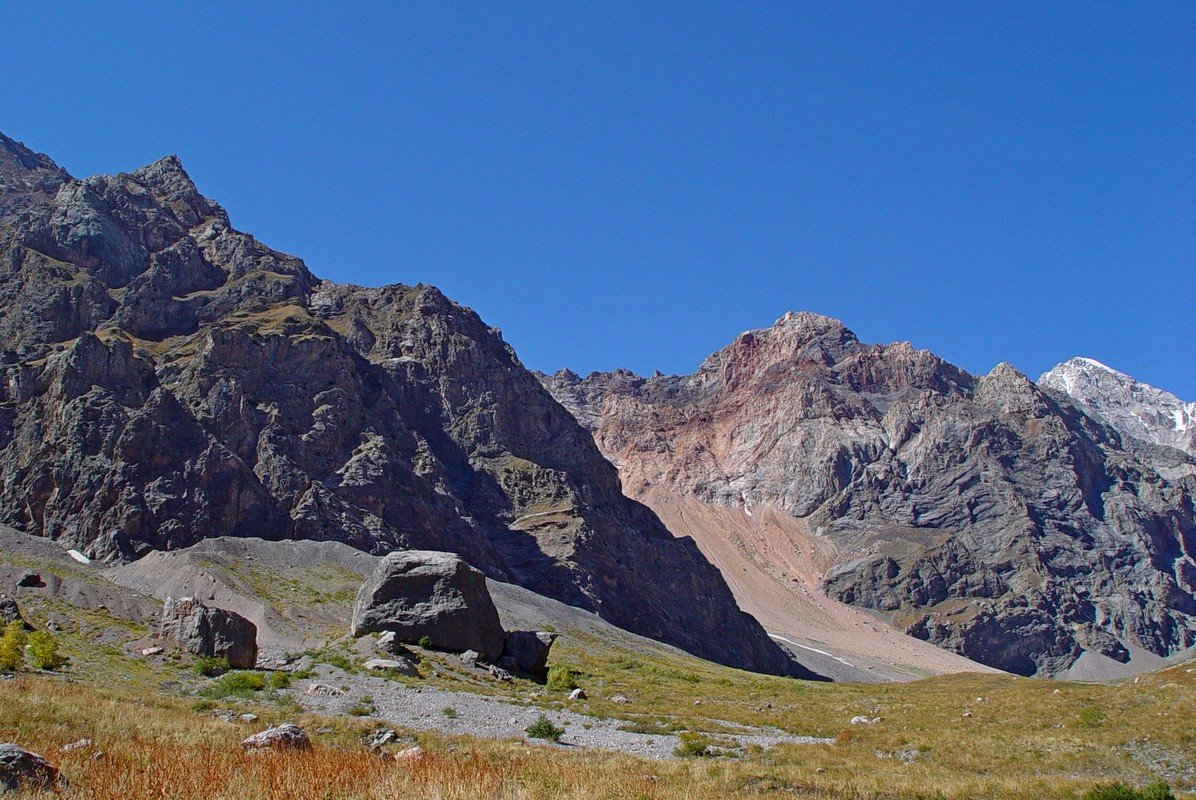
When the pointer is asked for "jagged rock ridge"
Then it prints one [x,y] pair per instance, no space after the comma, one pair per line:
[166,378]
[980,513]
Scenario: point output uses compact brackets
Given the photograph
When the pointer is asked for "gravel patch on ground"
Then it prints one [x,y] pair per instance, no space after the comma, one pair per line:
[423,708]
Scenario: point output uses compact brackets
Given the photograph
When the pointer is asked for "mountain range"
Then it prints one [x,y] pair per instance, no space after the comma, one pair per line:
[166,378]
[1031,528]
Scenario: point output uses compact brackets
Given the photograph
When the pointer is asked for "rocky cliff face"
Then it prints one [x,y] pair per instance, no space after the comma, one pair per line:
[165,378]
[1133,409]
[980,513]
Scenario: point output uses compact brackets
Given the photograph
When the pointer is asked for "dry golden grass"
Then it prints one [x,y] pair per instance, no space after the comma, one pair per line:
[156,746]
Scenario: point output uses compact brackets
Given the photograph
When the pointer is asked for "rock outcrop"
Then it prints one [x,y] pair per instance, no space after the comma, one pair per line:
[23,771]
[166,378]
[980,513]
[418,593]
[212,632]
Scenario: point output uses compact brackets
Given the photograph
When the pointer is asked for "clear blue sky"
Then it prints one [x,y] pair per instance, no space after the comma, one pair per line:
[619,187]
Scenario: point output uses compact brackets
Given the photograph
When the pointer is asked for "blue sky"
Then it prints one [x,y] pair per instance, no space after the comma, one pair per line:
[619,186]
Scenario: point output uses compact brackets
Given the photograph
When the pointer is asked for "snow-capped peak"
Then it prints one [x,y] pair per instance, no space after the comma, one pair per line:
[1130,407]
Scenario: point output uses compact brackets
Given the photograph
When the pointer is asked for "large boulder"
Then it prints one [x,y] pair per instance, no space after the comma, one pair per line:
[527,651]
[208,631]
[417,593]
[21,770]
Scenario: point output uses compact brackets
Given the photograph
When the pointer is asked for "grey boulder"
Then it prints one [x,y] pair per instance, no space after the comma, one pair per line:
[9,611]
[214,632]
[403,666]
[528,650]
[284,737]
[21,770]
[418,593]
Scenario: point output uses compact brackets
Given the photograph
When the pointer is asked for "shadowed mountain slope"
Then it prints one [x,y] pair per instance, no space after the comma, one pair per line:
[165,378]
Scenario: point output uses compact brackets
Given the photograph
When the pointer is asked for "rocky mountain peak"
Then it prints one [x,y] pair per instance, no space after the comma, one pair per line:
[1132,408]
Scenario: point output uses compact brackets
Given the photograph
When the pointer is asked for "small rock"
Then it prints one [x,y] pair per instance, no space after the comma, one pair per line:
[324,690]
[9,611]
[470,658]
[967,713]
[379,739]
[151,651]
[500,673]
[79,745]
[248,717]
[53,625]
[577,694]
[620,699]
[22,770]
[410,754]
[861,720]
[283,737]
[400,665]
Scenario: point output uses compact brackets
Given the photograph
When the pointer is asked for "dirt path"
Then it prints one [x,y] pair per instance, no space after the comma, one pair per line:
[428,708]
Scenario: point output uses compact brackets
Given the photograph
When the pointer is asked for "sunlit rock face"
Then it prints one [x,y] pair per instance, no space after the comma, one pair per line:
[984,514]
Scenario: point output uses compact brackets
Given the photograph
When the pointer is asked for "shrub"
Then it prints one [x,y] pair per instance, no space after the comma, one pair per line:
[1091,716]
[543,728]
[236,684]
[425,642]
[1121,791]
[449,712]
[210,666]
[44,650]
[560,678]
[12,646]
[279,680]
[692,745]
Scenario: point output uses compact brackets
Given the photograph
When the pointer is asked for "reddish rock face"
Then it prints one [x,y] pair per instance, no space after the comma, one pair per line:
[982,514]
[165,378]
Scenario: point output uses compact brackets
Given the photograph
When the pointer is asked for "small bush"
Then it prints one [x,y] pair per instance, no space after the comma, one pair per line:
[12,646]
[1091,716]
[44,650]
[210,666]
[236,684]
[425,642]
[360,711]
[449,712]
[543,728]
[1121,791]
[560,678]
[693,745]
